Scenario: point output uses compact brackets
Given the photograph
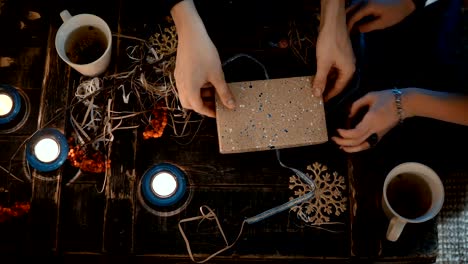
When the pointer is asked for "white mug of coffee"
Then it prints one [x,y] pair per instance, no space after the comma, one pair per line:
[412,193]
[84,42]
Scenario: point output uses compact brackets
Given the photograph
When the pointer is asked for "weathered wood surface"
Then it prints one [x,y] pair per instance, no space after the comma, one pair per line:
[80,222]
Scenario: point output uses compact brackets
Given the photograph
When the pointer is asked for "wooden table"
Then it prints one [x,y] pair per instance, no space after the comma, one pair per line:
[77,222]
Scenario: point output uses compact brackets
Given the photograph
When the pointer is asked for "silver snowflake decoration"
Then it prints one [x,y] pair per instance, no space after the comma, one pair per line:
[328,199]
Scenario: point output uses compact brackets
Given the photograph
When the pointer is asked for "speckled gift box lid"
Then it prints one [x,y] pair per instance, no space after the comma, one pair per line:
[271,114]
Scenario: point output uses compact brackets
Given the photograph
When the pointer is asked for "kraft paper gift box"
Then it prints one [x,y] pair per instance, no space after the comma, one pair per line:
[271,114]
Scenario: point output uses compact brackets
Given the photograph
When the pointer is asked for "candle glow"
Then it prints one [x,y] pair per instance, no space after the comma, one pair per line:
[47,150]
[6,104]
[164,184]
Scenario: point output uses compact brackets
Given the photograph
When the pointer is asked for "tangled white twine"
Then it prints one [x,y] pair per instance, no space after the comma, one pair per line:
[86,93]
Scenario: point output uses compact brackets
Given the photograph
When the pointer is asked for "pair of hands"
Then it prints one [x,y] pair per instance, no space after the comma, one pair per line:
[198,66]
[381,115]
[334,49]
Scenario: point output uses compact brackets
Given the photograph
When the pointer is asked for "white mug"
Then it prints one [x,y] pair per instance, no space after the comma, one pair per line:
[84,42]
[412,193]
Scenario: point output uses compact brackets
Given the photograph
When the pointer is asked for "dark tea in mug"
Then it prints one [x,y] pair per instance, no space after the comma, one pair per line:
[409,195]
[85,45]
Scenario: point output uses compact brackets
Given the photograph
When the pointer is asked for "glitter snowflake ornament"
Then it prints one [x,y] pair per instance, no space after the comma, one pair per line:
[162,44]
[328,199]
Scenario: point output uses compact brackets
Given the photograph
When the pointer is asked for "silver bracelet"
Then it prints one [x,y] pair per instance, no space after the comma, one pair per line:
[397,93]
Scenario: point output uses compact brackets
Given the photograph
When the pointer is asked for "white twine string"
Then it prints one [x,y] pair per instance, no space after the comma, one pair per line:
[85,93]
[207,216]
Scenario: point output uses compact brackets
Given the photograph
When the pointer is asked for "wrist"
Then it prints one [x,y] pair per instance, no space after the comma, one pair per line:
[186,18]
[398,96]
[169,4]
[409,96]
[332,13]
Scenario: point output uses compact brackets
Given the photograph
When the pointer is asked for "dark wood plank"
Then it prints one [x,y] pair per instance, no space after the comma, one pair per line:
[82,215]
[120,186]
[96,214]
[46,187]
[28,47]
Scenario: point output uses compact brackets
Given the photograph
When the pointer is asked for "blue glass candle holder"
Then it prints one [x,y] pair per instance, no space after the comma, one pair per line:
[47,150]
[163,185]
[10,103]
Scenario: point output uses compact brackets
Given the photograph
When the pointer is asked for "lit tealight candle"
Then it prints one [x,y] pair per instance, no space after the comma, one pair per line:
[164,184]
[6,104]
[47,150]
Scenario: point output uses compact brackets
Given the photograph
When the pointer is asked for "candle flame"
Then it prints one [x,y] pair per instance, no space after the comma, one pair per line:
[164,184]
[6,104]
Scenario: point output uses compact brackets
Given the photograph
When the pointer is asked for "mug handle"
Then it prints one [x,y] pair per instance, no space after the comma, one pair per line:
[395,227]
[65,15]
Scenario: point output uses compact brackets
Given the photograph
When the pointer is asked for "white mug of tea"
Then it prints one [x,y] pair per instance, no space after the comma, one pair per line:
[84,42]
[412,193]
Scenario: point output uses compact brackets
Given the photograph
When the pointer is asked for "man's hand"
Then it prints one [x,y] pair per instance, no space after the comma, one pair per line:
[380,14]
[334,50]
[197,63]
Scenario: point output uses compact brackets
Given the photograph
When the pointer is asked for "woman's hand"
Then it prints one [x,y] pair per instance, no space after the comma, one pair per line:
[197,62]
[381,116]
[378,14]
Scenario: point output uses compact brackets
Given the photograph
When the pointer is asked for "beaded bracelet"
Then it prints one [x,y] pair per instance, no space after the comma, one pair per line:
[397,93]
